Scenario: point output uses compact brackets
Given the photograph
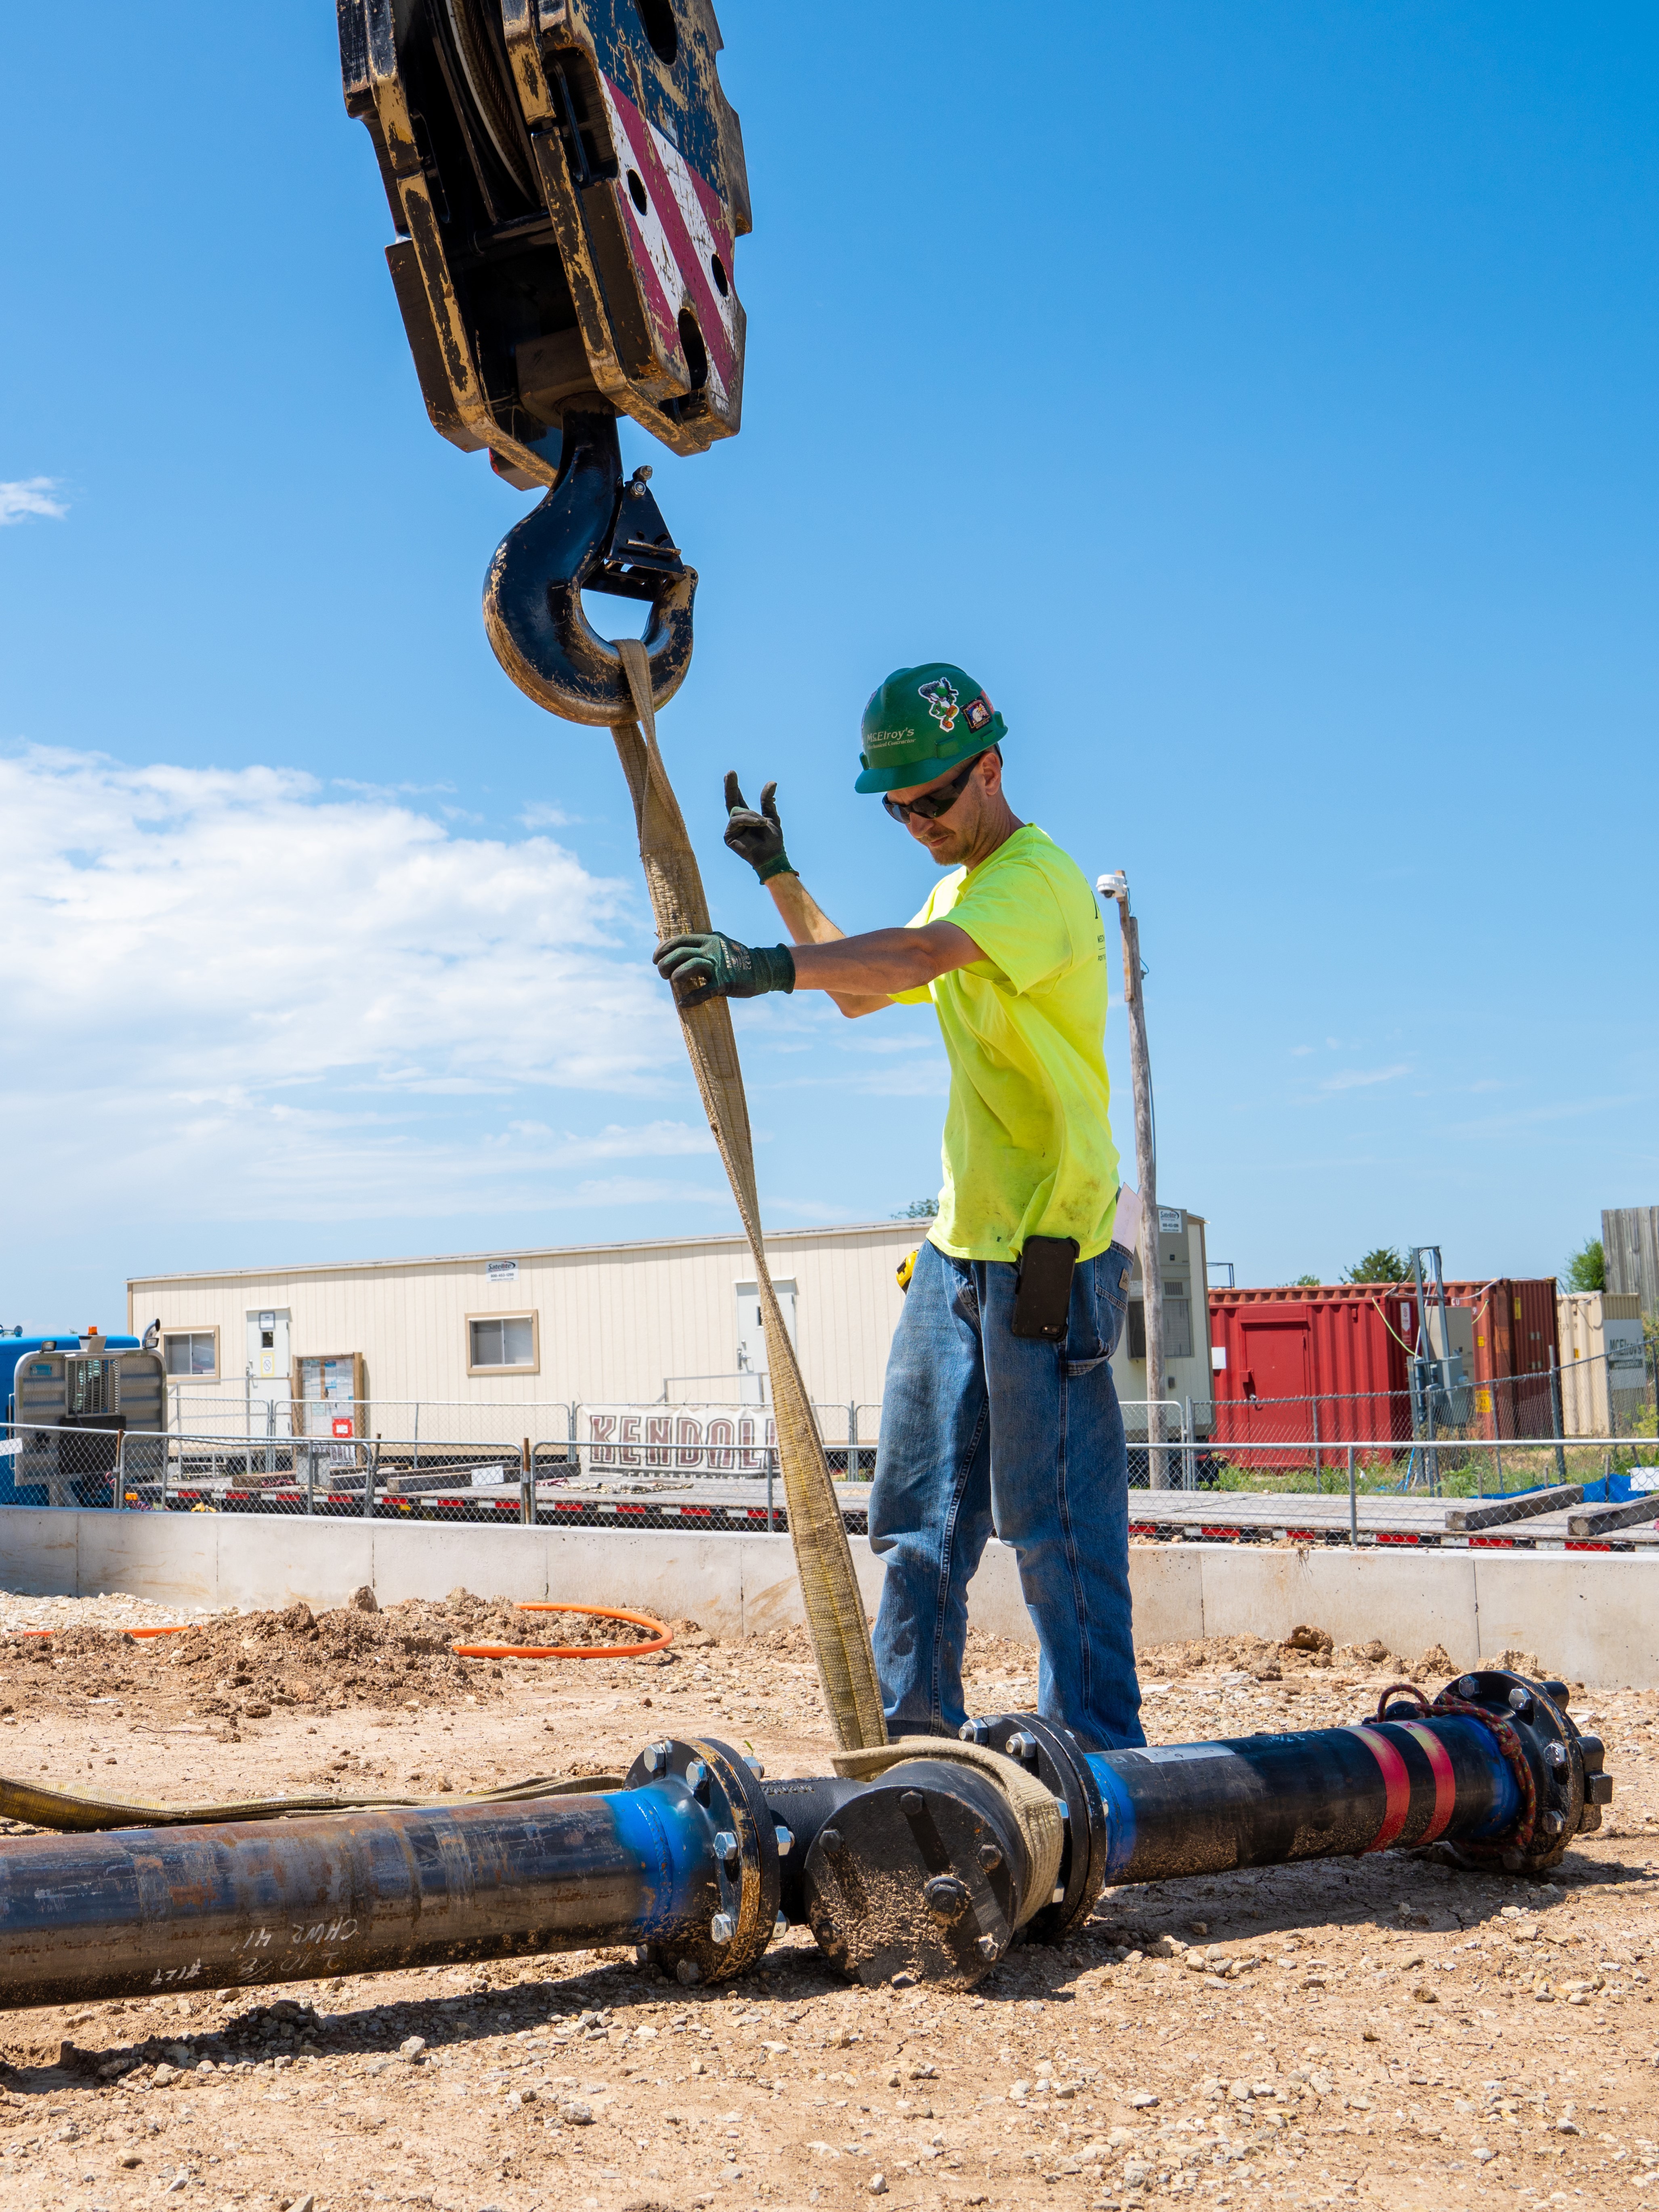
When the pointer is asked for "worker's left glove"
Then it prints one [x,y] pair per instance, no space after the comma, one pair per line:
[757,838]
[718,967]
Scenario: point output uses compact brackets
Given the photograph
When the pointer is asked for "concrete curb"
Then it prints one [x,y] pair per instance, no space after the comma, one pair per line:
[1588,1615]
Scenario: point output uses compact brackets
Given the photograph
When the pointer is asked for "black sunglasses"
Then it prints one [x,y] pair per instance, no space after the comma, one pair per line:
[932,804]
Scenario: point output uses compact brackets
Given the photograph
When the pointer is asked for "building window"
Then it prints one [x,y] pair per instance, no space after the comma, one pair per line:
[502,1344]
[193,1352]
[1177,1328]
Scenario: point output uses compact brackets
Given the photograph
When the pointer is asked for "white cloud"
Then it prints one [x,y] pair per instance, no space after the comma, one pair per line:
[390,790]
[226,995]
[27,497]
[1355,1079]
[540,815]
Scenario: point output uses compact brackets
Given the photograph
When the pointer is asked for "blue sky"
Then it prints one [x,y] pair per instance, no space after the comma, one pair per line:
[1259,402]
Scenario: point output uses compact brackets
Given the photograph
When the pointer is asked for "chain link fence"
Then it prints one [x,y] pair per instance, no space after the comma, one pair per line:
[555,1463]
[1584,1421]
[547,1464]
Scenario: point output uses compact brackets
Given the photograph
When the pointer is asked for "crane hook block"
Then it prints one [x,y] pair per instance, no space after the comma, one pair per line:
[565,179]
[592,532]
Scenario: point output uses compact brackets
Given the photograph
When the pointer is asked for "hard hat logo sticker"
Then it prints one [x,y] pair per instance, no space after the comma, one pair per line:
[942,698]
[977,713]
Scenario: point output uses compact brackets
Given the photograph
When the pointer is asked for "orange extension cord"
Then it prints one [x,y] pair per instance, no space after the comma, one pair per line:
[659,1641]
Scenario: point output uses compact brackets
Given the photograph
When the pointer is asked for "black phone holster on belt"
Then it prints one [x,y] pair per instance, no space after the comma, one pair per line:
[1042,1288]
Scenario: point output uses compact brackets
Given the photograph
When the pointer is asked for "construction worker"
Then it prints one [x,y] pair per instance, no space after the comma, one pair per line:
[999,1410]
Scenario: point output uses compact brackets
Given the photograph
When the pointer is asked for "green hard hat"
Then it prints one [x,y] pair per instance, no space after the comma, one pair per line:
[922,722]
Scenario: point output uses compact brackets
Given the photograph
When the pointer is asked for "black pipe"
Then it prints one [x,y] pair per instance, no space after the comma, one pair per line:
[1272,1800]
[146,1909]
[685,1862]
[801,1809]
[927,1867]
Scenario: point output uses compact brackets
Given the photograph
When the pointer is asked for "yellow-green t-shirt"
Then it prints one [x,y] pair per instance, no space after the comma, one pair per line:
[1027,1149]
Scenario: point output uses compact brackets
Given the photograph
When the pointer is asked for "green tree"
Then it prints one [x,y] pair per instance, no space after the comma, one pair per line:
[1382,1265]
[1304,1283]
[919,1209]
[1587,1267]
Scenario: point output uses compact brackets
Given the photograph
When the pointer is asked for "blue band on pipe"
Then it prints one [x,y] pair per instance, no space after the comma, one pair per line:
[667,1830]
[1506,1790]
[1120,1816]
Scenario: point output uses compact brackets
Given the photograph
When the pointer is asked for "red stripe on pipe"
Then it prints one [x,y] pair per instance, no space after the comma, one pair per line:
[1445,1782]
[1396,1785]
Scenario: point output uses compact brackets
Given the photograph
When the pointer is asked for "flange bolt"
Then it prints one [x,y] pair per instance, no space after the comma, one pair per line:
[725,1848]
[990,1857]
[1556,1756]
[722,1927]
[946,1896]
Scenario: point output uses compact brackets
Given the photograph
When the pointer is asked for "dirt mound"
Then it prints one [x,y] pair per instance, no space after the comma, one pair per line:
[463,1619]
[1304,1649]
[84,1641]
[296,1657]
[248,1665]
[1249,1655]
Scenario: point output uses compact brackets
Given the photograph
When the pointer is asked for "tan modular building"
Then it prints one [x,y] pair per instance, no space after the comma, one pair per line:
[353,1348]
[624,1324]
[1183,1265]
[1604,1377]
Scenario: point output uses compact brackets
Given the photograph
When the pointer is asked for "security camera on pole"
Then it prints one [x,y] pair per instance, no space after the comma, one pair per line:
[1116,888]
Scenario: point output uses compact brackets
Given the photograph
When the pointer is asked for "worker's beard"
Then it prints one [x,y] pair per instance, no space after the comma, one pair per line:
[949,843]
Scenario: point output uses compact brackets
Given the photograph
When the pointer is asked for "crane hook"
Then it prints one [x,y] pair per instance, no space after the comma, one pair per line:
[592,531]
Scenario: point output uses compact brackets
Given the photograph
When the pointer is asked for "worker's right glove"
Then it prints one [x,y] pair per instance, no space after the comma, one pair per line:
[718,967]
[757,838]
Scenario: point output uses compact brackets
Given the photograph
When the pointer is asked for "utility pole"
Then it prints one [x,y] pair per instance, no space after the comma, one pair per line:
[1116,888]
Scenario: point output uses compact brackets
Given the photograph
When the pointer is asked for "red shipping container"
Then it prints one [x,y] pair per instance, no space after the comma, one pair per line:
[1303,1368]
[1516,1334]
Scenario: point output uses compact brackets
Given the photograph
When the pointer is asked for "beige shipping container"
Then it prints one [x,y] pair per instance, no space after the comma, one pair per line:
[607,1323]
[1603,1365]
[1183,1264]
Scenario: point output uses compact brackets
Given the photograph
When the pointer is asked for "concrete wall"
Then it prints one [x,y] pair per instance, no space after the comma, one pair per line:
[1591,1616]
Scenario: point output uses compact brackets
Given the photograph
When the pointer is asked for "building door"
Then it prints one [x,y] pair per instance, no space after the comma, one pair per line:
[753,1364]
[268,1370]
[1274,1384]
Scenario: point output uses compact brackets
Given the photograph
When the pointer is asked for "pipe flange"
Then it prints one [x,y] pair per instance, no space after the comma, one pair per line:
[732,1920]
[1558,1768]
[1054,1754]
[921,1873]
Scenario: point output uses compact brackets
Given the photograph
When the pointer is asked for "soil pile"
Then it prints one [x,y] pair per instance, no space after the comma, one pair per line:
[1304,1650]
[497,1620]
[248,1665]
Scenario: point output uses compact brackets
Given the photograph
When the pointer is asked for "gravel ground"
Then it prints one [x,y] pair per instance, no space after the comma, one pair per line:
[1385,2030]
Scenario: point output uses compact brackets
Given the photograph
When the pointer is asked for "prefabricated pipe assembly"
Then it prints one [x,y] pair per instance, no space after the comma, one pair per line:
[929,1868]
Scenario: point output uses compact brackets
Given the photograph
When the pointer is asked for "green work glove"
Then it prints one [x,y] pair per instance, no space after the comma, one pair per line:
[719,967]
[757,838]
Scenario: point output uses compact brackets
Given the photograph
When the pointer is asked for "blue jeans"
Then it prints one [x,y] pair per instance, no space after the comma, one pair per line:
[984,1429]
